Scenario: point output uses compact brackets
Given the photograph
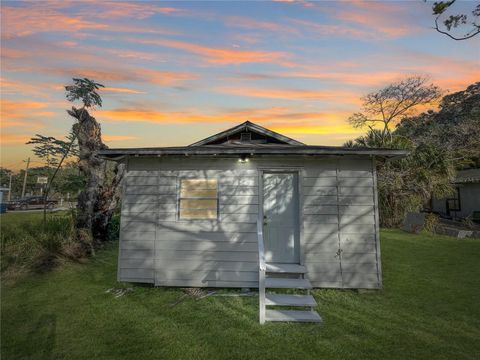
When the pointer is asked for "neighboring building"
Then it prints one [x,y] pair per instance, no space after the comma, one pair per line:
[3,205]
[246,202]
[465,203]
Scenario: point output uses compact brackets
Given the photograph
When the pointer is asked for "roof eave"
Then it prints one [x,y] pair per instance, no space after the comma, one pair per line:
[118,154]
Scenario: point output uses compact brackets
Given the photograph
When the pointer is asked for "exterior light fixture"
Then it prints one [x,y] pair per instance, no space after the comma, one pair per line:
[243,158]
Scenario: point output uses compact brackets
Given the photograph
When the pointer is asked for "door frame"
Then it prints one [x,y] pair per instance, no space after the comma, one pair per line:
[300,172]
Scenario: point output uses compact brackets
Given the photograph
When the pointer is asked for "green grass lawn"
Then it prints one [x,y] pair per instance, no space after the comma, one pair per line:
[429,308]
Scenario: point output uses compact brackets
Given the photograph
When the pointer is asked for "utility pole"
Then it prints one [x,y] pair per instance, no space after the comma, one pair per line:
[10,188]
[25,178]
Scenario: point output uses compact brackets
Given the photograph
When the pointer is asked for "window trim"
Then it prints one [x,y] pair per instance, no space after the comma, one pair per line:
[180,198]
[456,200]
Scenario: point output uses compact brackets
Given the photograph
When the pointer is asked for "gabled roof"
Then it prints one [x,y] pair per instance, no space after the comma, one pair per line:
[467,176]
[261,142]
[247,127]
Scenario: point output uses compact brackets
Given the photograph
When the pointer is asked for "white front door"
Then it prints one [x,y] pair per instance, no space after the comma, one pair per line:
[280,215]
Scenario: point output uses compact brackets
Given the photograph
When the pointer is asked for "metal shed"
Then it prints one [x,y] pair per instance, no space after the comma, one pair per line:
[249,207]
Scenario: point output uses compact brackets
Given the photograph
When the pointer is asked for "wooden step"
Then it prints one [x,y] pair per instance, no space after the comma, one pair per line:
[282,283]
[286,268]
[289,300]
[292,315]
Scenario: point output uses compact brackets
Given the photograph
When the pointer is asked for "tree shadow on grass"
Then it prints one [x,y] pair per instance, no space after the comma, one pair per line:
[44,334]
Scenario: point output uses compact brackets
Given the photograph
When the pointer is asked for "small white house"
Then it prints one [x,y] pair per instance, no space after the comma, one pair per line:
[465,202]
[251,208]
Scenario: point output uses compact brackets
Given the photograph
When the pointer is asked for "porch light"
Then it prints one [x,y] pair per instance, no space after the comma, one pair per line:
[244,158]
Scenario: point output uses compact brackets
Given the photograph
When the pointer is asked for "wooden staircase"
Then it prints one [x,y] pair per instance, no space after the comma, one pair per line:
[279,277]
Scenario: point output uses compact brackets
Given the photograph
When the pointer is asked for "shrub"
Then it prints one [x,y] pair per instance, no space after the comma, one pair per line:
[431,221]
[114,228]
[28,245]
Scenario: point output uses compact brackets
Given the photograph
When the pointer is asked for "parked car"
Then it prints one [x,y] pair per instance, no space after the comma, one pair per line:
[32,202]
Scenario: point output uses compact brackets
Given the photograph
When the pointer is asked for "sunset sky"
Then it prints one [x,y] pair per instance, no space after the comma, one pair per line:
[176,72]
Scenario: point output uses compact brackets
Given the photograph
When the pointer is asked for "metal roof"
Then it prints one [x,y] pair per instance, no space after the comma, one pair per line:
[222,144]
[220,150]
[467,176]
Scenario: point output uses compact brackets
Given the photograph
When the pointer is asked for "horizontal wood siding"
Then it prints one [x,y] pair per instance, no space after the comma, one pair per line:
[339,242]
[338,214]
[217,252]
[137,227]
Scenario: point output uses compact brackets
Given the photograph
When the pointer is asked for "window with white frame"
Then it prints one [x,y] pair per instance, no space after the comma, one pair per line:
[198,199]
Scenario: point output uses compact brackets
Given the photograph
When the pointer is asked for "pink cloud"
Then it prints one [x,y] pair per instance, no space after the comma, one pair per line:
[389,19]
[253,24]
[291,94]
[23,21]
[41,17]
[221,56]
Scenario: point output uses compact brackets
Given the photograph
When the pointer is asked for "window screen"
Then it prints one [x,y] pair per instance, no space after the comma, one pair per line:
[198,199]
[453,204]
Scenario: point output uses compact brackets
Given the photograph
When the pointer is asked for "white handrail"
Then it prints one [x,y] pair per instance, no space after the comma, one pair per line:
[261,247]
[261,271]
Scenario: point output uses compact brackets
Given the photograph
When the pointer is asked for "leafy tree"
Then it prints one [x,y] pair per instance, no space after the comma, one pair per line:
[70,180]
[455,127]
[456,21]
[84,90]
[52,150]
[386,107]
[5,176]
[407,184]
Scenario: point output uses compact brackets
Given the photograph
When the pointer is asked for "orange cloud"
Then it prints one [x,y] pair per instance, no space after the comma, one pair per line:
[218,55]
[15,87]
[131,54]
[358,78]
[292,94]
[8,138]
[44,16]
[386,18]
[331,126]
[279,116]
[122,90]
[316,129]
[22,113]
[103,69]
[112,138]
[22,21]
[153,116]
[119,9]
[163,78]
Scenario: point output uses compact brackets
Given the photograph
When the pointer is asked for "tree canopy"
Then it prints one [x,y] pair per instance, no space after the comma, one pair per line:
[439,142]
[84,90]
[455,127]
[389,105]
[468,24]
[51,150]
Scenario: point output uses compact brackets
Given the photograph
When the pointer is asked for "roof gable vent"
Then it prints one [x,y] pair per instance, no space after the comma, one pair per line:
[246,137]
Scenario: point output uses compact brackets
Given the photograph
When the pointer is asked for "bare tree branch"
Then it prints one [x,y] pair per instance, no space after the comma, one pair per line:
[456,20]
[394,102]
